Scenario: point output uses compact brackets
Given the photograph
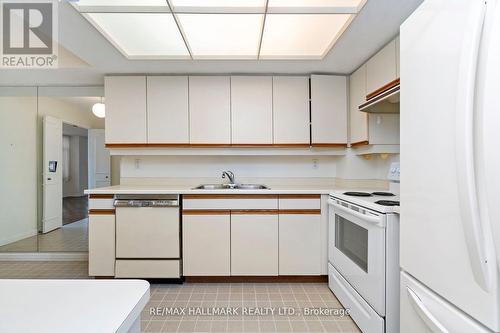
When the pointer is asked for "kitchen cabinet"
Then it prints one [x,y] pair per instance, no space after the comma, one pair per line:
[252,109]
[206,244]
[328,109]
[254,243]
[209,110]
[167,109]
[291,110]
[125,109]
[101,244]
[299,243]
[357,94]
[381,69]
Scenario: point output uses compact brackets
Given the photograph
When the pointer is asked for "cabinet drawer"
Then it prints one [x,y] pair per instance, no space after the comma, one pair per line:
[299,202]
[240,202]
[147,269]
[101,204]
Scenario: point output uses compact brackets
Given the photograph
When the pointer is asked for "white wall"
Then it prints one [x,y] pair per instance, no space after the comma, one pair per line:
[360,167]
[18,167]
[242,166]
[78,167]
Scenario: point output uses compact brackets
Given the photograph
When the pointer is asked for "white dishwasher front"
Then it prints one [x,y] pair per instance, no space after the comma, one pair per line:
[147,227]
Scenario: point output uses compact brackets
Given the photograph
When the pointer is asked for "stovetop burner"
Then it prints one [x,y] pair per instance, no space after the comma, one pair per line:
[384,194]
[358,194]
[387,202]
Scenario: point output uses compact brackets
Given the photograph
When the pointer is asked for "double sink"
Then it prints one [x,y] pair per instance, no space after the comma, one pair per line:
[231,187]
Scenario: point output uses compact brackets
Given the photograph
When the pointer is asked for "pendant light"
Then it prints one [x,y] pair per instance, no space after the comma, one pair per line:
[99,109]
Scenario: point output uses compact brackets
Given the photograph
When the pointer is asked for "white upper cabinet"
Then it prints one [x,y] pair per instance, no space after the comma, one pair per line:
[252,109]
[209,110]
[125,109]
[291,110]
[381,69]
[328,109]
[357,94]
[167,105]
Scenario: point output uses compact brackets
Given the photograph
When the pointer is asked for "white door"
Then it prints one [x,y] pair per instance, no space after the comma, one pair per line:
[357,250]
[446,237]
[99,160]
[52,174]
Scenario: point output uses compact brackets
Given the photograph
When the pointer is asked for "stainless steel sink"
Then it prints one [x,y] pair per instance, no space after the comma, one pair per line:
[231,187]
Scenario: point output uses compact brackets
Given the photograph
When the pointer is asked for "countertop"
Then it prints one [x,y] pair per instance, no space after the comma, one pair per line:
[58,306]
[179,189]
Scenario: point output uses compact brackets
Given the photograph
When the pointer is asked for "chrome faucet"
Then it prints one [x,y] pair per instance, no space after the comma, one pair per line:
[229,175]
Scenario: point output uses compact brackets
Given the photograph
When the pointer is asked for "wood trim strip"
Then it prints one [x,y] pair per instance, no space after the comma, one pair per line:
[101,212]
[101,196]
[359,144]
[300,196]
[254,212]
[379,97]
[300,211]
[210,145]
[258,279]
[382,89]
[206,212]
[329,145]
[230,196]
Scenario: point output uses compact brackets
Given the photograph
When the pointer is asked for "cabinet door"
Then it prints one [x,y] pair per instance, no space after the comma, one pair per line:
[381,68]
[357,95]
[168,114]
[125,109]
[252,109]
[291,110]
[254,244]
[209,110]
[328,109]
[101,245]
[206,245]
[299,244]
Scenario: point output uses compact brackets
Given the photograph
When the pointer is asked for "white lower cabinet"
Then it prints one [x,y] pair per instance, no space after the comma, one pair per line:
[299,244]
[206,244]
[101,245]
[254,244]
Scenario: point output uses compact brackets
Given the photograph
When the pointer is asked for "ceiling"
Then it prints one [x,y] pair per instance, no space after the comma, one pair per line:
[375,25]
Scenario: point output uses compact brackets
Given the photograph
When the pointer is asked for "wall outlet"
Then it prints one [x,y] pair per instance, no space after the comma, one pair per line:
[315,164]
[137,163]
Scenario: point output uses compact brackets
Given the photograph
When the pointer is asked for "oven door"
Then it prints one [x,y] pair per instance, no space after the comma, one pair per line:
[357,250]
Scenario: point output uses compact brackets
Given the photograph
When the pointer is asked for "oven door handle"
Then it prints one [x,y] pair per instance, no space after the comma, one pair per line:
[366,218]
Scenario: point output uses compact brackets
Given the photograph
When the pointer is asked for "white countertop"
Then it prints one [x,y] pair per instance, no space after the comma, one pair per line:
[61,306]
[179,189]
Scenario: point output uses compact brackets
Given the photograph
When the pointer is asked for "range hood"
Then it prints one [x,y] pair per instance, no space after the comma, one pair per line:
[383,100]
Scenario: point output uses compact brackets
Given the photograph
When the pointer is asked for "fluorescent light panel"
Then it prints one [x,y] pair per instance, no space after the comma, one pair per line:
[301,36]
[222,36]
[218,6]
[142,35]
[315,6]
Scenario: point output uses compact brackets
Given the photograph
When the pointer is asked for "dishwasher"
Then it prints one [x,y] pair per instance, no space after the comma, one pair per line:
[147,236]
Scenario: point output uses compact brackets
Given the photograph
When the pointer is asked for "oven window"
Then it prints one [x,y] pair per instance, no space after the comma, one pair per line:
[352,240]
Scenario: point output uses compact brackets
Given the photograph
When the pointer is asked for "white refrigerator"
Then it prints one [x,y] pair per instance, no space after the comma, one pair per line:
[450,157]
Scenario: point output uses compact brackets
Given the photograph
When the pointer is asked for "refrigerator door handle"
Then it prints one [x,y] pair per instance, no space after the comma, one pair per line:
[466,174]
[432,323]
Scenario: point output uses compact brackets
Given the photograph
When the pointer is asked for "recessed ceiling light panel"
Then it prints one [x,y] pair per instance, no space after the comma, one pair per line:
[315,6]
[142,35]
[218,6]
[137,6]
[301,36]
[222,36]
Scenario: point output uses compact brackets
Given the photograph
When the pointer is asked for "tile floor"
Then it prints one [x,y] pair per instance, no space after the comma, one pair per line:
[72,237]
[250,296]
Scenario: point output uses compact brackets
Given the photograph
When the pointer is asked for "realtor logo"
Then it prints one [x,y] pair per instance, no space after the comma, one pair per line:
[29,33]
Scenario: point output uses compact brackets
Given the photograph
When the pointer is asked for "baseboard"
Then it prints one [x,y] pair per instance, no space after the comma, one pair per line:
[44,256]
[258,279]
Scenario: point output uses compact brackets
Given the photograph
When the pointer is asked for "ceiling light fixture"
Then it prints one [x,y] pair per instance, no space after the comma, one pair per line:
[99,109]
